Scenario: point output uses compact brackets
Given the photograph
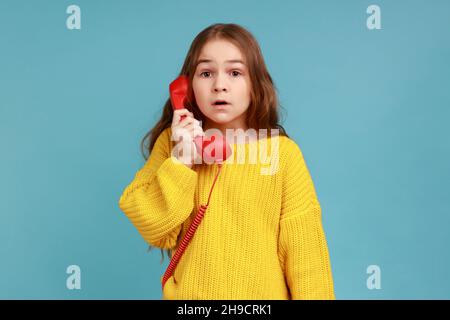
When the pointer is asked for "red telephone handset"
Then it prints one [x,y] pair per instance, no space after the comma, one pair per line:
[178,96]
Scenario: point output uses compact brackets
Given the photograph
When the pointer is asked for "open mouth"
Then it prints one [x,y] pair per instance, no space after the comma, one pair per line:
[219,103]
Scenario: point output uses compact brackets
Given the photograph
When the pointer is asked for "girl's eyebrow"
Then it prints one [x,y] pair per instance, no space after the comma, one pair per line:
[228,61]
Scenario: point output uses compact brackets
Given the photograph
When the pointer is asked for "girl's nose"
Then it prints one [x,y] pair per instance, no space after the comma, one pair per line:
[219,84]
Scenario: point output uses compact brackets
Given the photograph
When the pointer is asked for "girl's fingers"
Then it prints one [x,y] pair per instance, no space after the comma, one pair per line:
[195,128]
[177,115]
[181,112]
[198,131]
[189,132]
[189,128]
[179,133]
[183,128]
[180,128]
[186,121]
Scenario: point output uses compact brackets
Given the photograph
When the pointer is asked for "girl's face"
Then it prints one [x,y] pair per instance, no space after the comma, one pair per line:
[222,75]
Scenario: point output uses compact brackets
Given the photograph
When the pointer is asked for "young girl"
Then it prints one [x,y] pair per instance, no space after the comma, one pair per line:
[262,235]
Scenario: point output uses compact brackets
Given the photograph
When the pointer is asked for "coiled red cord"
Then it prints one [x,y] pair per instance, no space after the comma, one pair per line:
[188,236]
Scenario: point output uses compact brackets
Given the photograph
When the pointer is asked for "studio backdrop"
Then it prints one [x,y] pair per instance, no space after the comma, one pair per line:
[365,88]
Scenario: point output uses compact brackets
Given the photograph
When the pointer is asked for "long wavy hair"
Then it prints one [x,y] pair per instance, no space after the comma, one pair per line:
[263,111]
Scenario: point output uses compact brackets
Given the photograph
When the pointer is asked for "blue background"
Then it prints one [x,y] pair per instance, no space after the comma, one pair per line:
[369,109]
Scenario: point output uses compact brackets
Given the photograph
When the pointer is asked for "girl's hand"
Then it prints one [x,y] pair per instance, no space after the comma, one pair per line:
[183,134]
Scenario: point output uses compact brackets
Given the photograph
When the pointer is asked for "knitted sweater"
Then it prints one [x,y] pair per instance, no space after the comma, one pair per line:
[261,236]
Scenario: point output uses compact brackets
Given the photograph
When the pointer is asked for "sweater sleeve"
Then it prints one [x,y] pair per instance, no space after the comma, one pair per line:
[161,196]
[303,249]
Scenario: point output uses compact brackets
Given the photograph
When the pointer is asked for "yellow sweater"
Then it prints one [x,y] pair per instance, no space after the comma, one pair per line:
[261,236]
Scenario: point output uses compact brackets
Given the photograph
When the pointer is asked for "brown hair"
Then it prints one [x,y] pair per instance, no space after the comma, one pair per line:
[263,111]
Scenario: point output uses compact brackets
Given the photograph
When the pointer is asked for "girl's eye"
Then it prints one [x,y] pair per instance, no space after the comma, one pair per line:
[234,72]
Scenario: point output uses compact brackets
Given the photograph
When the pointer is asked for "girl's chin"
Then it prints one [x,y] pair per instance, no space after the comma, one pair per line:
[219,118]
